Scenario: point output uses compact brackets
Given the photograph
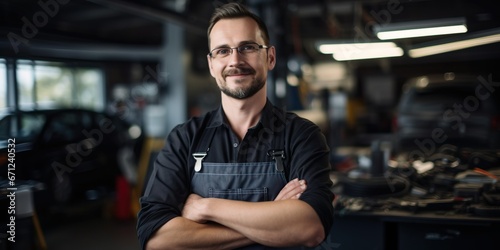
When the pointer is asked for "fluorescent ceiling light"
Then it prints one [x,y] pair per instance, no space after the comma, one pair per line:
[358,51]
[369,54]
[331,48]
[492,36]
[420,28]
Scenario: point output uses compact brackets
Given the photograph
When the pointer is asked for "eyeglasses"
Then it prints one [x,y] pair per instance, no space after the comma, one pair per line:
[245,49]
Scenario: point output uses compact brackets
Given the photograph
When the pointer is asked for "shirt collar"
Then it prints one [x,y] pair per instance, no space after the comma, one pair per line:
[267,118]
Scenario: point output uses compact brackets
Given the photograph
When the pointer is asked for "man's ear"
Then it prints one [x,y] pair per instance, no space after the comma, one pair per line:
[271,57]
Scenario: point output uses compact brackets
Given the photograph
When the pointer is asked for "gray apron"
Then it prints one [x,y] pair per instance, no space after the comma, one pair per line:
[249,181]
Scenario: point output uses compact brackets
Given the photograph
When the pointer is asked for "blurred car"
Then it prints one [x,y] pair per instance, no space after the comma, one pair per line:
[73,152]
[461,110]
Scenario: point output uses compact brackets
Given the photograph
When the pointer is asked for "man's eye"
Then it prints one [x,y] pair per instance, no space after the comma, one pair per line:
[223,51]
[247,48]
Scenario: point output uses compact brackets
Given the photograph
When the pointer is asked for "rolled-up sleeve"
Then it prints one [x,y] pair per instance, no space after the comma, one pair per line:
[166,188]
[309,160]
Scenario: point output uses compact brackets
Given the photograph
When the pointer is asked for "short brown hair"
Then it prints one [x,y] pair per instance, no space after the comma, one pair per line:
[236,10]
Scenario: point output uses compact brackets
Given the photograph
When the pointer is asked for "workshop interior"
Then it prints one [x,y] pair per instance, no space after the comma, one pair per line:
[406,92]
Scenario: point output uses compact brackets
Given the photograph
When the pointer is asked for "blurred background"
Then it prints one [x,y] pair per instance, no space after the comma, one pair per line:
[404,90]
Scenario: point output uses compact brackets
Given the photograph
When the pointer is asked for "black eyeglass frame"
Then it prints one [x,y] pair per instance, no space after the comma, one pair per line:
[260,46]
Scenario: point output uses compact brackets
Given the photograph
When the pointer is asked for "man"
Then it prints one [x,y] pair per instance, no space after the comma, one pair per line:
[244,175]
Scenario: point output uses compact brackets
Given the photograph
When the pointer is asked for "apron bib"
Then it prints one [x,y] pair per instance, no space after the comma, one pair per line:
[255,181]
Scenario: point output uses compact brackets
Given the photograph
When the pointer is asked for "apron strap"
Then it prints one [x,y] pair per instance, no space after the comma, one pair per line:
[204,143]
[278,153]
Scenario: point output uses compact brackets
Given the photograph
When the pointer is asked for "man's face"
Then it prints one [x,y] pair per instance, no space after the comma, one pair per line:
[239,76]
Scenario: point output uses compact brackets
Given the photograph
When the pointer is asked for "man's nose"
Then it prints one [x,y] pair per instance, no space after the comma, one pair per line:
[235,58]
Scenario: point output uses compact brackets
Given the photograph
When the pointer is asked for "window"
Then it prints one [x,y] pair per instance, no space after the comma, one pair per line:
[3,84]
[89,89]
[43,84]
[26,83]
[53,86]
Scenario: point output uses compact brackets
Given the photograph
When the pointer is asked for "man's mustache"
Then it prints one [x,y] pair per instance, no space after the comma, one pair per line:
[238,71]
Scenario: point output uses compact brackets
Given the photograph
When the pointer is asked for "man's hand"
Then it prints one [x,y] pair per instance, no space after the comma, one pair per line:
[292,190]
[193,208]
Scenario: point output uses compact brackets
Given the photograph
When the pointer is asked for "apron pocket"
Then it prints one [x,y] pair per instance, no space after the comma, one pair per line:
[255,194]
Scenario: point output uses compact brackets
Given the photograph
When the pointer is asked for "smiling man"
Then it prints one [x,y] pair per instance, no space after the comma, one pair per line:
[247,175]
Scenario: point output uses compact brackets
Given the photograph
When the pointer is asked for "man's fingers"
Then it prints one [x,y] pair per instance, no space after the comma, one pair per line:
[292,190]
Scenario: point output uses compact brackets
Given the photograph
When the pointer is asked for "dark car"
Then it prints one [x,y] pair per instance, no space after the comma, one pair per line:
[73,152]
[458,110]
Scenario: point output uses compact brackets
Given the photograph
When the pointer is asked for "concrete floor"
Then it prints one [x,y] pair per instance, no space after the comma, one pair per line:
[86,227]
[93,233]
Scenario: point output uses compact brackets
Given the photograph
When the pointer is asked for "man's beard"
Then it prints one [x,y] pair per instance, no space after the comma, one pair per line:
[244,91]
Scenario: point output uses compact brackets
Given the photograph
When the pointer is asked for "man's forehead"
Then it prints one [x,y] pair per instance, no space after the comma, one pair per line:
[234,31]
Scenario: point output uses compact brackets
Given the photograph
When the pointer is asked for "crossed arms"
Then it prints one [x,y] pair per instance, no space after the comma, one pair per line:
[211,223]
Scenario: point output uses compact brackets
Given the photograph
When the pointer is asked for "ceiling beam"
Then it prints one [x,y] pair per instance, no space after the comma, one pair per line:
[85,51]
[155,14]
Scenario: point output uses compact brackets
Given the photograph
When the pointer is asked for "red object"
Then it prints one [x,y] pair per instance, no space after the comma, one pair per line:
[122,208]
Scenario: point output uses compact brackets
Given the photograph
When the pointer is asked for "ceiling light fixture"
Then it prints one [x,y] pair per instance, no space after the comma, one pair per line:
[357,51]
[420,28]
[472,40]
[369,54]
[341,47]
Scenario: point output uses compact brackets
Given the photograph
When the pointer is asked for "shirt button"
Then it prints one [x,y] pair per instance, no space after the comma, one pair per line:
[235,144]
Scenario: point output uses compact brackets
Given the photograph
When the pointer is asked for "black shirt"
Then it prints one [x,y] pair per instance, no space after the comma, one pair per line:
[306,157]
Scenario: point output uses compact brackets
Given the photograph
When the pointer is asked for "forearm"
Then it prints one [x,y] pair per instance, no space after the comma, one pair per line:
[182,233]
[277,223]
